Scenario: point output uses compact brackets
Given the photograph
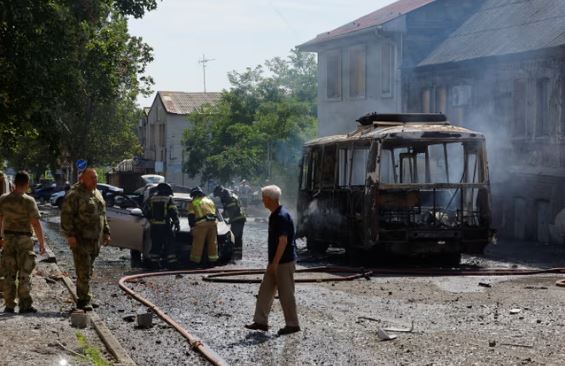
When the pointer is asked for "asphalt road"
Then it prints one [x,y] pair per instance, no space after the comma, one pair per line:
[517,320]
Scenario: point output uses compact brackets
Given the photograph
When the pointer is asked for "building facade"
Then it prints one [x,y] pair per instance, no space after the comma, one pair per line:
[162,135]
[360,64]
[503,72]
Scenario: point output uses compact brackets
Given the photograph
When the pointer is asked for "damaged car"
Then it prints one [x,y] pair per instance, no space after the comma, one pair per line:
[400,184]
[130,230]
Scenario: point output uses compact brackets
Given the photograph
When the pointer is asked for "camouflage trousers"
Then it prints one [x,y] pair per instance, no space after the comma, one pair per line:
[18,261]
[84,254]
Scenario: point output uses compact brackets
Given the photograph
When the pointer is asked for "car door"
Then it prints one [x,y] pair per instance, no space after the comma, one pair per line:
[128,228]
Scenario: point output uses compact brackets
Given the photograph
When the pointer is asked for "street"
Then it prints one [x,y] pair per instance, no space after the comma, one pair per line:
[466,320]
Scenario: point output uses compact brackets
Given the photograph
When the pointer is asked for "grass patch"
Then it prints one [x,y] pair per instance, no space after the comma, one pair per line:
[91,353]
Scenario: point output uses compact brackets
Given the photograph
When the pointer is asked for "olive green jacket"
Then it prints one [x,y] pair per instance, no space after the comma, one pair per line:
[83,214]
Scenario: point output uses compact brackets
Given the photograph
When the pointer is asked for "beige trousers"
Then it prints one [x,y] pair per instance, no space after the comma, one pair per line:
[284,282]
[204,232]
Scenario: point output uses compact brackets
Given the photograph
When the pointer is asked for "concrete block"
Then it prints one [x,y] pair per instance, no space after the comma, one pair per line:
[145,320]
[79,319]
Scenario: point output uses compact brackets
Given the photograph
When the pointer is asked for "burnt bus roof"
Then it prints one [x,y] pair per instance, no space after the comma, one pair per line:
[398,130]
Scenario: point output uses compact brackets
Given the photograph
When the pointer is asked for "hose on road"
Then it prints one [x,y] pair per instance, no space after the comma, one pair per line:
[196,343]
[226,276]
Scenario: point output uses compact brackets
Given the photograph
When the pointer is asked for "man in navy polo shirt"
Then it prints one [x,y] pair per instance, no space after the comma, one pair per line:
[280,271]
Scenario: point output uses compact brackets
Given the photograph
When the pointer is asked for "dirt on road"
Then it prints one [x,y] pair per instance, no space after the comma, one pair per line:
[457,320]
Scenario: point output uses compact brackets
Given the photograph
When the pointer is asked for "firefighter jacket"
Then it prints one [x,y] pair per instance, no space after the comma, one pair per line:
[201,209]
[84,213]
[232,207]
[161,210]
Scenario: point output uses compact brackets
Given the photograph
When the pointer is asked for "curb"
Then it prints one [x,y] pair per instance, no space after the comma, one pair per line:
[110,341]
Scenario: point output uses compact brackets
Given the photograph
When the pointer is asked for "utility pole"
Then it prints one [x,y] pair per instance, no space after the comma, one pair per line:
[204,61]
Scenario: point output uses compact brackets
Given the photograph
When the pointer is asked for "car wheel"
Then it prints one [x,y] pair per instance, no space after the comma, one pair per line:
[59,202]
[226,251]
[135,259]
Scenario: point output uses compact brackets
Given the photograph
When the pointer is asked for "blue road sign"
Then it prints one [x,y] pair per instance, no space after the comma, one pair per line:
[80,164]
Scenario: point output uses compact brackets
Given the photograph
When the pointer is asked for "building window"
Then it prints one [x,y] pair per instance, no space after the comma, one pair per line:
[562,107]
[542,107]
[387,70]
[519,108]
[441,100]
[357,68]
[152,136]
[161,135]
[333,75]
[426,96]
[434,100]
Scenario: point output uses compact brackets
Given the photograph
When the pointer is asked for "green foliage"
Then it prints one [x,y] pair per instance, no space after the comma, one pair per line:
[92,354]
[69,76]
[258,128]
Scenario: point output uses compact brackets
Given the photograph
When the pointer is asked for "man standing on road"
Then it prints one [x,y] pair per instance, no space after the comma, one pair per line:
[18,214]
[280,271]
[84,222]
[235,215]
[162,212]
[202,220]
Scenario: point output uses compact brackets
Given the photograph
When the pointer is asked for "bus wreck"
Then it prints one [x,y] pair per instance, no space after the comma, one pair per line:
[402,184]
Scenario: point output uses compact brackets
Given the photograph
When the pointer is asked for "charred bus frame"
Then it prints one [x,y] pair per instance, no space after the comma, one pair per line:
[407,184]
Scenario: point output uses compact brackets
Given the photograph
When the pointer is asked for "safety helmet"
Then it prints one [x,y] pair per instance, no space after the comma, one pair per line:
[197,192]
[164,189]
[218,190]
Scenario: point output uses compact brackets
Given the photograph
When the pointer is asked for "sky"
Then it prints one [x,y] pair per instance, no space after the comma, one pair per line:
[236,34]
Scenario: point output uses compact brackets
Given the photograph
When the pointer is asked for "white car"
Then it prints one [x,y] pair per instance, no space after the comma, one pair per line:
[56,198]
[130,229]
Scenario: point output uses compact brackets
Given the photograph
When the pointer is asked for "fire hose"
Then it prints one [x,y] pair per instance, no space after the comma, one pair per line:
[226,276]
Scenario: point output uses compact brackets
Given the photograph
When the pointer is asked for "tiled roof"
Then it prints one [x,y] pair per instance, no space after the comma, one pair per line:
[373,19]
[503,27]
[185,103]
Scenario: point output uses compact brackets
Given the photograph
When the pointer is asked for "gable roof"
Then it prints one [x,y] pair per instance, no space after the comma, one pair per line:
[503,27]
[376,18]
[185,103]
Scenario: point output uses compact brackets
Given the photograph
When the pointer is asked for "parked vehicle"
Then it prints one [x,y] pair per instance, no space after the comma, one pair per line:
[56,198]
[108,188]
[405,184]
[130,229]
[43,192]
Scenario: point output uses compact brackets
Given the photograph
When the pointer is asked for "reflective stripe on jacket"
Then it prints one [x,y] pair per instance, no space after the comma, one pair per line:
[201,208]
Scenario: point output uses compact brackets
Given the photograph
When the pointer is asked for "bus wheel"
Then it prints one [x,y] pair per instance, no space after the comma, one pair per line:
[450,259]
[316,246]
[356,256]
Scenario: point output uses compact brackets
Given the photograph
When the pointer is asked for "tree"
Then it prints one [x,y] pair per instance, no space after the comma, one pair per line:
[259,126]
[68,70]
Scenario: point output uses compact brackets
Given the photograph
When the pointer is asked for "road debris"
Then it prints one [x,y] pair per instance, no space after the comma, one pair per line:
[384,336]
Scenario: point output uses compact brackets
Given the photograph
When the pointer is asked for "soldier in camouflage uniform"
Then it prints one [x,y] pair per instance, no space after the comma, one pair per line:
[18,214]
[84,222]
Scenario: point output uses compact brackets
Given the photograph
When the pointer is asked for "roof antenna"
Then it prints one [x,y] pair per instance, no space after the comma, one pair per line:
[204,61]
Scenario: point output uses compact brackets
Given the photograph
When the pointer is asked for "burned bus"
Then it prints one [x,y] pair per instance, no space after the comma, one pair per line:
[402,184]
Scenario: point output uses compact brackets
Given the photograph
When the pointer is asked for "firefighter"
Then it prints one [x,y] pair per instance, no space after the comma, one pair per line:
[235,214]
[202,219]
[162,213]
